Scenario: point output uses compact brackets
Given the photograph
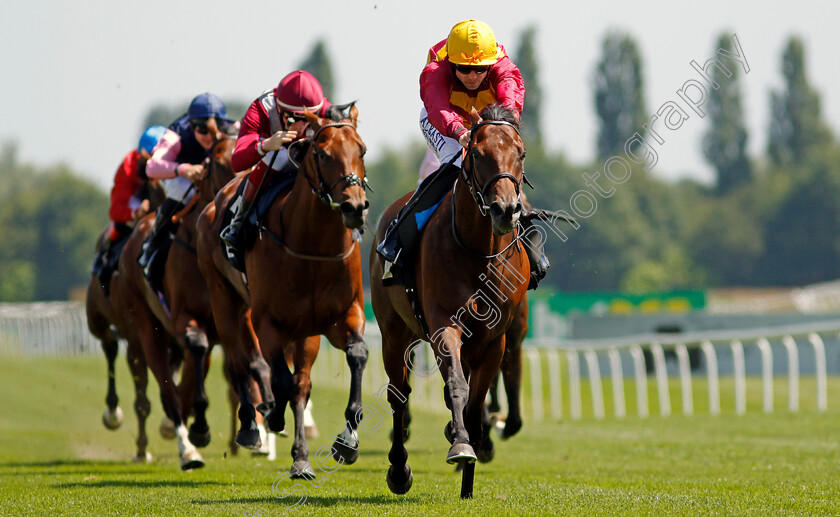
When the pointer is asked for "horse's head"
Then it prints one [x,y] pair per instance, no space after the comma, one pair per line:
[218,170]
[335,167]
[494,166]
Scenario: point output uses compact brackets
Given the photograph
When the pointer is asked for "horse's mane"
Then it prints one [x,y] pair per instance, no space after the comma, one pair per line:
[499,113]
[338,112]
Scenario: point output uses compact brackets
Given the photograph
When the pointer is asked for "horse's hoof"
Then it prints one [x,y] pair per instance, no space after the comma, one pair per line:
[249,438]
[142,458]
[199,437]
[511,428]
[486,452]
[113,419]
[346,447]
[167,429]
[447,432]
[191,460]
[400,486]
[461,453]
[302,469]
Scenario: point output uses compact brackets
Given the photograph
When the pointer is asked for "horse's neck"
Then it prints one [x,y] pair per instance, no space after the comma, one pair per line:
[475,231]
[307,223]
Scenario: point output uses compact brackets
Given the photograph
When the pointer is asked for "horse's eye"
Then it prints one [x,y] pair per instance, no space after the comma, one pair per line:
[364,151]
[522,156]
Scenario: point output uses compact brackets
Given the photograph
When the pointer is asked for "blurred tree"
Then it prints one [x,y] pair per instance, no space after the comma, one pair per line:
[49,220]
[796,125]
[725,143]
[528,63]
[319,64]
[619,93]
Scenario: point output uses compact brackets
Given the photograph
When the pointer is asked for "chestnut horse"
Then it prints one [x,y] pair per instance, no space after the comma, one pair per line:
[186,314]
[471,275]
[304,277]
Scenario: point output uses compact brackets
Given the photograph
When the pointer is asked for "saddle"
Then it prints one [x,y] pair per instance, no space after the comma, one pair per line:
[280,182]
[107,261]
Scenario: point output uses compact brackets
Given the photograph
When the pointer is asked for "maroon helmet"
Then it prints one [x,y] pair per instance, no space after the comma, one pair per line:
[298,92]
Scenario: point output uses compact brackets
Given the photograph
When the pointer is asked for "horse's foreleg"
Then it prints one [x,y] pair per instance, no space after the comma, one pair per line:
[155,351]
[113,416]
[305,353]
[249,434]
[272,343]
[512,372]
[399,477]
[199,348]
[346,446]
[142,406]
[481,376]
[456,394]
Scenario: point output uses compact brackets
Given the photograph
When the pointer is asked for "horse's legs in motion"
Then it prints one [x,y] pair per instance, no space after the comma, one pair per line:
[346,446]
[142,406]
[305,353]
[512,373]
[456,393]
[394,344]
[199,348]
[495,405]
[113,416]
[155,344]
[481,376]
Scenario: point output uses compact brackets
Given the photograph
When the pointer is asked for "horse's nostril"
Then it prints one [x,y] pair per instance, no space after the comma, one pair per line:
[347,208]
[367,204]
[518,208]
[496,209]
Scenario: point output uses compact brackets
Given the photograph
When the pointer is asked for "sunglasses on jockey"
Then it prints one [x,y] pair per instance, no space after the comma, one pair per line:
[290,118]
[199,125]
[466,69]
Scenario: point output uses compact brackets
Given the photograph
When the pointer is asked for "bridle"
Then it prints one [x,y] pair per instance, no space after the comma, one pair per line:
[320,188]
[478,194]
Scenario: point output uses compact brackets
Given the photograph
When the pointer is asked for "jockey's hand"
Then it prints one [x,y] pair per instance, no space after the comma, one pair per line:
[464,139]
[191,172]
[276,141]
[141,210]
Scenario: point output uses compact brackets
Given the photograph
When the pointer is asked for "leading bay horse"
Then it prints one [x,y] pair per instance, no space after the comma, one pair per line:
[471,275]
[184,313]
[304,276]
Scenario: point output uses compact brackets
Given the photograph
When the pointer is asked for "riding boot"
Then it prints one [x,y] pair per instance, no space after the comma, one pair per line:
[153,256]
[535,249]
[231,234]
[401,237]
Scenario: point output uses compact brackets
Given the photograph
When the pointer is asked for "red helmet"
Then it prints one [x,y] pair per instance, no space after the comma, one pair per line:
[298,92]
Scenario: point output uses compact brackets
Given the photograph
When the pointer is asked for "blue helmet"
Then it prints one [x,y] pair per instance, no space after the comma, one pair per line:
[150,138]
[207,105]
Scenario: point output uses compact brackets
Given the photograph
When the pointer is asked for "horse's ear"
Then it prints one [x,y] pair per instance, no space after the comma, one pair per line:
[314,121]
[354,114]
[476,118]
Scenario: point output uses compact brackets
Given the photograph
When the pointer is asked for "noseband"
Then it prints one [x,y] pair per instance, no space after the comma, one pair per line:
[478,194]
[322,190]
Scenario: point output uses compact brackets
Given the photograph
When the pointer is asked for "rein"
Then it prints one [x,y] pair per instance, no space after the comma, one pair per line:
[470,178]
[322,190]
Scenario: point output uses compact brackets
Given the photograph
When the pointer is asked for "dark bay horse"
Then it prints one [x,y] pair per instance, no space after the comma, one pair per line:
[185,316]
[304,277]
[108,325]
[471,276]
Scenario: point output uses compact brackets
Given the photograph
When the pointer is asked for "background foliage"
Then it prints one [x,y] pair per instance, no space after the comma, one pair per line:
[770,220]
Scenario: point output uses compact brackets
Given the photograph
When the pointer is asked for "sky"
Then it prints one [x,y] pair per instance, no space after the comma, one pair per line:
[79,77]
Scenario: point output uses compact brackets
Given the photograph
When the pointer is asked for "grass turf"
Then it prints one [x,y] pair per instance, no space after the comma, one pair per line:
[56,458]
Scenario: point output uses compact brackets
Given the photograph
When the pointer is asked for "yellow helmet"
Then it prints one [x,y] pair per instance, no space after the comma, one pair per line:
[472,42]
